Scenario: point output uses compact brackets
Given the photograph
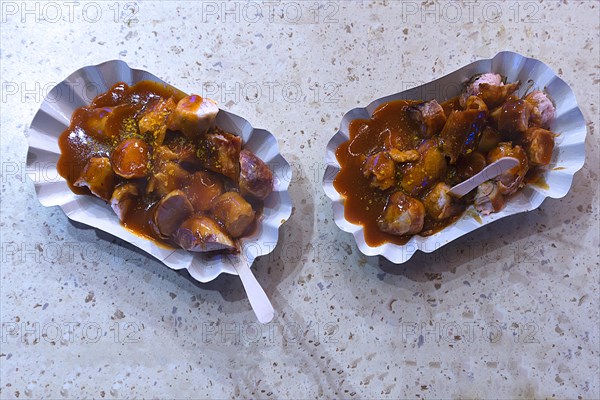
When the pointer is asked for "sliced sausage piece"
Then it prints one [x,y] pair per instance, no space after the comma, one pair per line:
[220,152]
[462,132]
[194,116]
[543,110]
[98,177]
[123,198]
[539,144]
[170,212]
[488,78]
[474,88]
[510,181]
[202,188]
[105,124]
[419,176]
[488,198]
[256,179]
[167,177]
[476,103]
[430,116]
[490,138]
[402,215]
[380,168]
[153,121]
[494,95]
[95,122]
[180,149]
[234,212]
[469,165]
[201,234]
[439,204]
[131,158]
[513,118]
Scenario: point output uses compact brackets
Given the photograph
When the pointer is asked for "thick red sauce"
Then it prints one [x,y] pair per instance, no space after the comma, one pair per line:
[84,140]
[390,126]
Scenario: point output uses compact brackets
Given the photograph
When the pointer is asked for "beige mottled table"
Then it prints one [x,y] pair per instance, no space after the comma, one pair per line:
[510,311]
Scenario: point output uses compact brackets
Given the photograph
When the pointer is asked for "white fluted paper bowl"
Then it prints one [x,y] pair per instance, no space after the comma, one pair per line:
[568,156]
[78,90]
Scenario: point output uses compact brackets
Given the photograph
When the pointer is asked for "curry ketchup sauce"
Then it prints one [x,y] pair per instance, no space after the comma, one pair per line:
[390,126]
[87,137]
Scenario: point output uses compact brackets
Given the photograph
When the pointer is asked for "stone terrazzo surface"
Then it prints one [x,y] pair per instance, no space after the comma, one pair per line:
[510,311]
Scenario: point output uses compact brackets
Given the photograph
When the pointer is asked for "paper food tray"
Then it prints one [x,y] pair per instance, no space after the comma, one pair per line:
[54,117]
[567,158]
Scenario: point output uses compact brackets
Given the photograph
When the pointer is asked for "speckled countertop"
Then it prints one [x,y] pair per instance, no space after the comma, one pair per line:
[510,311]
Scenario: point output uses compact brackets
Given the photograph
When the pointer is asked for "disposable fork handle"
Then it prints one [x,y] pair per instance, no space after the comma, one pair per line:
[261,305]
[490,172]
